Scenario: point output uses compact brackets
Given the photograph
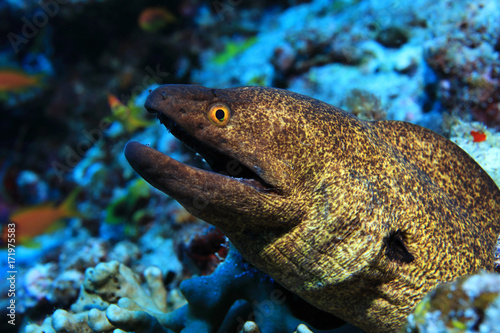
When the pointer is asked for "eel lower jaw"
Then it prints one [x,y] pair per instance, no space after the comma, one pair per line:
[218,199]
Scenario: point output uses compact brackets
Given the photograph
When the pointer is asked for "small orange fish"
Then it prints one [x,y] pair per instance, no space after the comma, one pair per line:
[12,80]
[113,101]
[35,220]
[155,18]
[478,136]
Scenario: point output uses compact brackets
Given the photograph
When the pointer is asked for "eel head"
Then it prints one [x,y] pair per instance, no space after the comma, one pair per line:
[244,135]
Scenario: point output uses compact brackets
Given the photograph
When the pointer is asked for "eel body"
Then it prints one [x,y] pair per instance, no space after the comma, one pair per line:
[360,219]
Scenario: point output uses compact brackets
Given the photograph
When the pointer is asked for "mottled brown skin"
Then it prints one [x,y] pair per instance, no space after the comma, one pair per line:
[361,219]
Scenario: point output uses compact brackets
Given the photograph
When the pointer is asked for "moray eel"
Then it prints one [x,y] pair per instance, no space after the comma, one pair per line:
[360,219]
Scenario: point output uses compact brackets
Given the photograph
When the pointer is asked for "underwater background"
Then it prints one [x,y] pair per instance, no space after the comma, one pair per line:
[74,75]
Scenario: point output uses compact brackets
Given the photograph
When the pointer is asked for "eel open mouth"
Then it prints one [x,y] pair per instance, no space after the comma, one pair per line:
[218,161]
[229,189]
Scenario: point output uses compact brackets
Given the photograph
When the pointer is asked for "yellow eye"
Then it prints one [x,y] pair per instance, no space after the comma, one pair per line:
[219,114]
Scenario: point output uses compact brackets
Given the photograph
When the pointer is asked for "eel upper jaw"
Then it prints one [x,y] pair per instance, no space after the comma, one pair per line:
[218,161]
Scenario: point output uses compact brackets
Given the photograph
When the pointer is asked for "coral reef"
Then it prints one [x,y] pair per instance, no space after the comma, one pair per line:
[54,282]
[364,105]
[323,50]
[468,304]
[235,297]
[45,282]
[486,153]
[463,51]
[107,284]
[412,59]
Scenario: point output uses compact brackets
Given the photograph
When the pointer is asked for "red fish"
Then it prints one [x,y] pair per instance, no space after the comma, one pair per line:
[12,80]
[478,136]
[155,18]
[35,220]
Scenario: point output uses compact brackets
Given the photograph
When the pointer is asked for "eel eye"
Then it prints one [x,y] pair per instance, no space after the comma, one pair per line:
[219,114]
